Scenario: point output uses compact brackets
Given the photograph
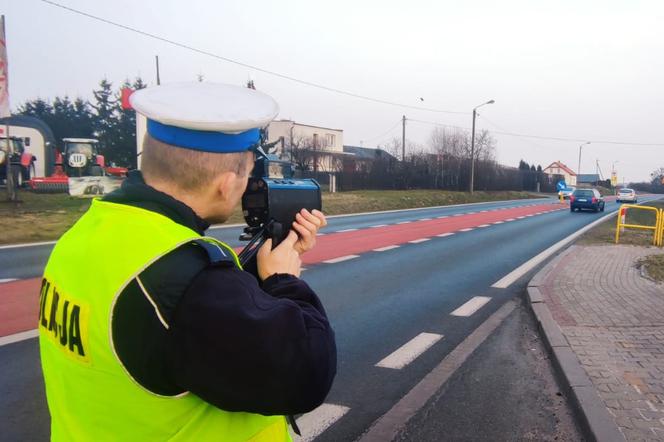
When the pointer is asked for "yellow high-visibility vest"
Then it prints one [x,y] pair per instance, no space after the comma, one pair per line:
[91,397]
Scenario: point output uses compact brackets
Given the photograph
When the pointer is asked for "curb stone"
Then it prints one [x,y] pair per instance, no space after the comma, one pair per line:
[597,424]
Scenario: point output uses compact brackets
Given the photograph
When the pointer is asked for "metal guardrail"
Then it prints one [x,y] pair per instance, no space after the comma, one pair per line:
[657,229]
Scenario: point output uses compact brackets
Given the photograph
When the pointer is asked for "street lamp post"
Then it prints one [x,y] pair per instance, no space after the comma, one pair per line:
[472,145]
[578,171]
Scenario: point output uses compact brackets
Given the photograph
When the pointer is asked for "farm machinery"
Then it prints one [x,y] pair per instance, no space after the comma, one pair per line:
[79,158]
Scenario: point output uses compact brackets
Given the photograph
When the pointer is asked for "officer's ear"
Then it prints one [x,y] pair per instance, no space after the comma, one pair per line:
[224,184]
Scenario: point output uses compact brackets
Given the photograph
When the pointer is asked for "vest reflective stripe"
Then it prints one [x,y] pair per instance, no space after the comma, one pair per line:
[90,396]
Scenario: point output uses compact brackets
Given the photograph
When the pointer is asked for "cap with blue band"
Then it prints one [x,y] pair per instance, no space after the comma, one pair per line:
[207,117]
[205,141]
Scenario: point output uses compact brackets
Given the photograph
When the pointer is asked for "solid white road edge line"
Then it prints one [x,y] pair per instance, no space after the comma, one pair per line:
[315,422]
[386,248]
[17,337]
[471,306]
[341,259]
[408,352]
[389,424]
[29,244]
[524,268]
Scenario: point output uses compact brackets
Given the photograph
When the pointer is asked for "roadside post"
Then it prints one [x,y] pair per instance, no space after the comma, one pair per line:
[561,185]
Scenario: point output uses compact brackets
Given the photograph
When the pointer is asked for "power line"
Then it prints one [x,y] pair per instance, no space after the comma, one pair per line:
[539,137]
[246,65]
[384,133]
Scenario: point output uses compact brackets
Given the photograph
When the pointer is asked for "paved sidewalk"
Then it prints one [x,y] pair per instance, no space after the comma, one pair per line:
[612,318]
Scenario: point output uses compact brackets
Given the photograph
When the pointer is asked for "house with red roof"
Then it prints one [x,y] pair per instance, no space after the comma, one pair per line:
[558,168]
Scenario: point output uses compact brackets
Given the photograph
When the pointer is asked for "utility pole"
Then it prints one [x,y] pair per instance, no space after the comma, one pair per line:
[472,153]
[578,171]
[403,139]
[472,146]
[156,57]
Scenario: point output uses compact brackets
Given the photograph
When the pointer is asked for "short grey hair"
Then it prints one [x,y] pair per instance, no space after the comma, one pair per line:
[188,169]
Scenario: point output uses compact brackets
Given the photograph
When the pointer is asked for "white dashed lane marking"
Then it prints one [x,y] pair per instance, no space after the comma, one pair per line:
[499,222]
[341,259]
[443,235]
[417,241]
[466,230]
[483,225]
[315,422]
[378,225]
[424,219]
[386,248]
[346,230]
[471,306]
[408,352]
[404,222]
[4,280]
[444,216]
[510,219]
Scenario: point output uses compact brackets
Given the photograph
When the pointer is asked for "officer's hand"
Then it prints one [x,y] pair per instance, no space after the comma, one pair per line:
[283,259]
[307,224]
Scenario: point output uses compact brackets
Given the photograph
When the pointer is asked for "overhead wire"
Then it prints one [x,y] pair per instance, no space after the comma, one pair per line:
[541,137]
[247,65]
[384,133]
[332,89]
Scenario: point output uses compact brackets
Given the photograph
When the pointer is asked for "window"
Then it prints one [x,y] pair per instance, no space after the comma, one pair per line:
[26,140]
[329,140]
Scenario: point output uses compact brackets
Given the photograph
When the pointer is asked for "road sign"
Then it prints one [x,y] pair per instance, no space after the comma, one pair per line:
[614,179]
[561,185]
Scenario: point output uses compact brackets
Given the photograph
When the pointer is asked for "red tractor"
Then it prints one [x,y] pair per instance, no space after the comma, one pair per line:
[22,163]
[80,158]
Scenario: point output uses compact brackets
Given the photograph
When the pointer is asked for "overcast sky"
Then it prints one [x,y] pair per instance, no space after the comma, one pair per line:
[591,70]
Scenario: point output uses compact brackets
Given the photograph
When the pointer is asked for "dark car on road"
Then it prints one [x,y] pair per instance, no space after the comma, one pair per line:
[586,199]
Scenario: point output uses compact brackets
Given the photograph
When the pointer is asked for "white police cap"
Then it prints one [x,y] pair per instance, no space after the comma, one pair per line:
[210,117]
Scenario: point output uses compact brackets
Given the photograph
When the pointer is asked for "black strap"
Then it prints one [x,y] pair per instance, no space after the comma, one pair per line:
[217,254]
[293,424]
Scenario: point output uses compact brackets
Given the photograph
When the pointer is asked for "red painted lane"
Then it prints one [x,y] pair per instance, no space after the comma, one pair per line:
[335,245]
[19,306]
[19,300]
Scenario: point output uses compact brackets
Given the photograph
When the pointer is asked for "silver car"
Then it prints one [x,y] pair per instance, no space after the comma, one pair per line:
[626,195]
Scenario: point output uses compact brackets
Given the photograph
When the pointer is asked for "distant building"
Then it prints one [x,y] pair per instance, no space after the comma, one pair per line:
[362,159]
[314,148]
[558,168]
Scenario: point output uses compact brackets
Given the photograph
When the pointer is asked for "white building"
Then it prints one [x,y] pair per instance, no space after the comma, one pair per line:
[314,148]
[558,168]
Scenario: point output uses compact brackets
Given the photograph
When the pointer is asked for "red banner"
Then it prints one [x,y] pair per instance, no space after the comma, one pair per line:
[4,80]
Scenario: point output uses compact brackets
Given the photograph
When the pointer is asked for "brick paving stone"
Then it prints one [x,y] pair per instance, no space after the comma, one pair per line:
[613,319]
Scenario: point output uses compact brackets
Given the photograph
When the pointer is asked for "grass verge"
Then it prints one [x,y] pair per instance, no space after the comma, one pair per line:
[44,217]
[654,265]
[605,233]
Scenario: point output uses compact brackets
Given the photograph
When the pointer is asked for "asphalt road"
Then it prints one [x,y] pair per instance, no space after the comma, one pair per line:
[379,298]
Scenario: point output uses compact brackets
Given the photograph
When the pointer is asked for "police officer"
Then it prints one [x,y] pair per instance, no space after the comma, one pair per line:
[150,330]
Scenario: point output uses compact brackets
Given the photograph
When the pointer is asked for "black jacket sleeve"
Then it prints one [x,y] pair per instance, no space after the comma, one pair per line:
[243,347]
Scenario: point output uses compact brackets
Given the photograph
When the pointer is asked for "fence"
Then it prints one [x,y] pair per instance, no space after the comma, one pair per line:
[657,229]
[418,174]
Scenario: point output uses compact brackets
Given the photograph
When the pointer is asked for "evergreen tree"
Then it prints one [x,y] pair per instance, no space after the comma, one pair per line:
[105,121]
